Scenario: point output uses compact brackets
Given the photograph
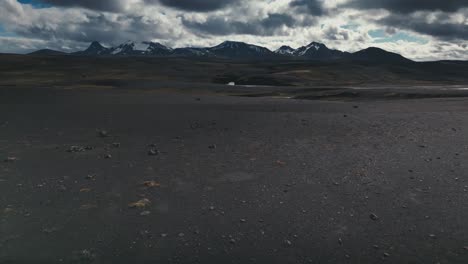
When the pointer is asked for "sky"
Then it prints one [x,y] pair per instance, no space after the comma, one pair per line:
[418,29]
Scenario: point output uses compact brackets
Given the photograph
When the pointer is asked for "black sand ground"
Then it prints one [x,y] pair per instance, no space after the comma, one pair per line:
[242,180]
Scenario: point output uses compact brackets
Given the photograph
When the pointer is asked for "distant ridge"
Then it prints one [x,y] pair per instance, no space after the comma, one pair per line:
[235,50]
[47,52]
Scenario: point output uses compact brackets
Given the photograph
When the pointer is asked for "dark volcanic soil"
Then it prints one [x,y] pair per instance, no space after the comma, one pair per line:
[231,179]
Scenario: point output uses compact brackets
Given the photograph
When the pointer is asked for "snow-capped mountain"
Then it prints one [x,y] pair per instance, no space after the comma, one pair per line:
[94,49]
[285,50]
[233,49]
[317,50]
[157,49]
[191,52]
[127,48]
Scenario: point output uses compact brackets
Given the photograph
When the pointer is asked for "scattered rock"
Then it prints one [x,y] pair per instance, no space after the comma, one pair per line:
[10,159]
[280,163]
[153,152]
[140,204]
[103,133]
[88,206]
[374,217]
[151,184]
[86,256]
[145,213]
[212,146]
[75,149]
[91,177]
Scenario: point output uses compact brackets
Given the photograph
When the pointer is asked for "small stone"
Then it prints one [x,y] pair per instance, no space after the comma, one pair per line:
[153,152]
[386,255]
[108,156]
[287,243]
[232,241]
[212,208]
[375,246]
[116,145]
[75,149]
[151,184]
[243,220]
[340,241]
[374,217]
[10,159]
[181,235]
[280,163]
[163,235]
[212,146]
[103,133]
[145,213]
[432,236]
[140,204]
[91,177]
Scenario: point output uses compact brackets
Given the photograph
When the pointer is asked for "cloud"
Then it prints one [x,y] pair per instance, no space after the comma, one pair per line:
[196,5]
[409,6]
[313,7]
[80,25]
[102,5]
[438,25]
[221,25]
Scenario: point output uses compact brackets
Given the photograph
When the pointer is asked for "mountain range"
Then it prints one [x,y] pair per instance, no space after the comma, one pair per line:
[233,50]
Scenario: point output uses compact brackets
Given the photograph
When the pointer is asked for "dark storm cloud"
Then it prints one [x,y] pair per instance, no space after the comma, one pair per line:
[101,5]
[97,27]
[221,26]
[442,30]
[313,7]
[195,5]
[409,6]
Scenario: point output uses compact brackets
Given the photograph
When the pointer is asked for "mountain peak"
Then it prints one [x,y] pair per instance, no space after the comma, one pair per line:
[285,50]
[155,48]
[378,54]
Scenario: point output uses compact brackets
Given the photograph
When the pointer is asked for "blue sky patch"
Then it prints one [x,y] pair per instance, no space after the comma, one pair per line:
[351,26]
[380,36]
[35,3]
